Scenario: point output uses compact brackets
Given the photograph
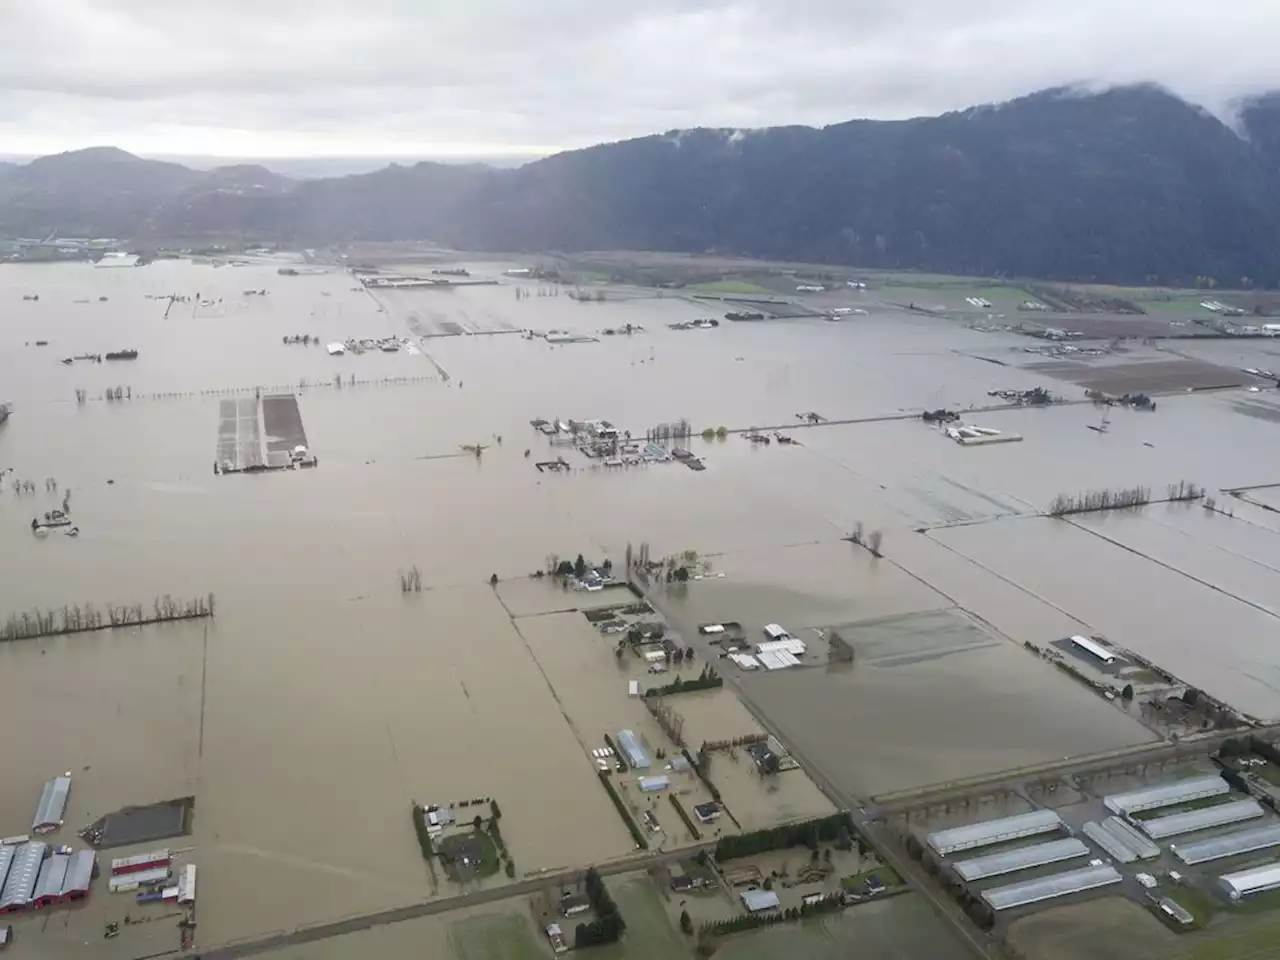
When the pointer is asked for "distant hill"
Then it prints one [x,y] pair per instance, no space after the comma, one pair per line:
[1129,185]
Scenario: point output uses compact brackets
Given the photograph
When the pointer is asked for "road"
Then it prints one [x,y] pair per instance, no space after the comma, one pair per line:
[337,928]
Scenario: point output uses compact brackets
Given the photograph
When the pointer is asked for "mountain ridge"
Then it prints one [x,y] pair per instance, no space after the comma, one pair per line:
[1131,184]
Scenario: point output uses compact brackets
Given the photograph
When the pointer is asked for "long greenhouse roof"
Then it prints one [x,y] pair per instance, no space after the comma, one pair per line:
[1023,858]
[1166,794]
[993,831]
[1202,819]
[1046,888]
[1228,844]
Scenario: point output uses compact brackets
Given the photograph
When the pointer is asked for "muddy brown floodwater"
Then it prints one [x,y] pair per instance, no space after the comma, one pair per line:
[322,699]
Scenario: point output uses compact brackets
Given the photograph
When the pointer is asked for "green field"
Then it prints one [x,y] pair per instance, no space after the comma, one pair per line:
[649,935]
[895,928]
[729,286]
[1260,941]
[503,936]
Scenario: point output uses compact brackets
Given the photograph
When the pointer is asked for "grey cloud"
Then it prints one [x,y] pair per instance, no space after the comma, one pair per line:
[422,76]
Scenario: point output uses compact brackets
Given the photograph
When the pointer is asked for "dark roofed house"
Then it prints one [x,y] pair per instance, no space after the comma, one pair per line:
[706,812]
[574,903]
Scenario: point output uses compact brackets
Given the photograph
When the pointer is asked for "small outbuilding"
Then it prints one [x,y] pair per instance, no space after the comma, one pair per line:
[759,901]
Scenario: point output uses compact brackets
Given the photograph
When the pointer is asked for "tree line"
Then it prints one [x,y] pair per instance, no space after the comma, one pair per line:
[636,834]
[608,925]
[81,618]
[707,680]
[809,834]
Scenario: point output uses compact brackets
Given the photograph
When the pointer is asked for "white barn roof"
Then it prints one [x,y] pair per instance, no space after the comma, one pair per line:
[1202,819]
[1228,845]
[1022,858]
[1247,882]
[1046,888]
[973,835]
[1166,794]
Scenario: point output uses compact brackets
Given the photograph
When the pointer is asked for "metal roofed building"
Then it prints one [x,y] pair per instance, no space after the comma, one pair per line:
[6,860]
[187,884]
[1248,882]
[973,835]
[23,873]
[131,881]
[1093,648]
[53,875]
[1023,858]
[141,861]
[1121,840]
[629,744]
[79,875]
[1177,911]
[757,901]
[1047,888]
[1166,794]
[52,805]
[1179,823]
[1228,845]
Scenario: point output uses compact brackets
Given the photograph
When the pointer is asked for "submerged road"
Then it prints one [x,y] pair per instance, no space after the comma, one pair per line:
[338,928]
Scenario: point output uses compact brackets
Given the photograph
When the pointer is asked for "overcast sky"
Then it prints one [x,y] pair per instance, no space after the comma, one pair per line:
[427,77]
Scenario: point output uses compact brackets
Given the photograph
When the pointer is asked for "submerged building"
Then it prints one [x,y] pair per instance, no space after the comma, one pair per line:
[632,751]
[52,805]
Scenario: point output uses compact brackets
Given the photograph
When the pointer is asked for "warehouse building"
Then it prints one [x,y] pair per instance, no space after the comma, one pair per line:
[1047,888]
[1161,828]
[20,884]
[974,835]
[53,875]
[1121,840]
[1248,882]
[1093,648]
[79,875]
[629,745]
[52,805]
[1166,795]
[1023,858]
[1228,845]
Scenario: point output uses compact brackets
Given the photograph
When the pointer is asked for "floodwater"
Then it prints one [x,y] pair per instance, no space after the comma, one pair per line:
[928,699]
[325,699]
[1190,592]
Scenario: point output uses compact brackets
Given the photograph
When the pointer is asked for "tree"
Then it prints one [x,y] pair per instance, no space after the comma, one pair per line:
[1191,697]
[1127,692]
[493,579]
[688,653]
[682,574]
[511,869]
[580,567]
[686,923]
[563,570]
[477,822]
[844,841]
[874,541]
[768,883]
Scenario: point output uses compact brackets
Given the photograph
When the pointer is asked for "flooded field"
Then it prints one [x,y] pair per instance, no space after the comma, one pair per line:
[325,699]
[1214,626]
[942,707]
